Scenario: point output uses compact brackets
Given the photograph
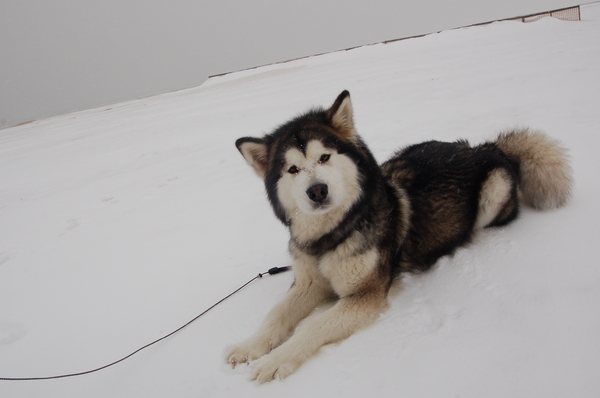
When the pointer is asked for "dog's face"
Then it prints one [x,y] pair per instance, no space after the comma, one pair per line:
[310,164]
[317,179]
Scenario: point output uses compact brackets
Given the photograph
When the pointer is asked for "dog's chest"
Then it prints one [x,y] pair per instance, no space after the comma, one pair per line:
[348,271]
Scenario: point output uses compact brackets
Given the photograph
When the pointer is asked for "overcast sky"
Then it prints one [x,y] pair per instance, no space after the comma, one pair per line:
[58,56]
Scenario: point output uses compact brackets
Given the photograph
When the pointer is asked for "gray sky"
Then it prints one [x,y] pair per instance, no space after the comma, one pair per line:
[60,56]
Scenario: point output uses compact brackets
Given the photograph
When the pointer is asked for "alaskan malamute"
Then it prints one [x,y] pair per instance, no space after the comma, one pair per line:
[356,225]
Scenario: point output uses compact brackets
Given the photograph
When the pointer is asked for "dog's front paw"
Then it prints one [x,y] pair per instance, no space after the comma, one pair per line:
[273,366]
[247,351]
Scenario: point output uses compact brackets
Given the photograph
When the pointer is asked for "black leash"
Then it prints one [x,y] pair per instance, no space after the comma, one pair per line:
[272,271]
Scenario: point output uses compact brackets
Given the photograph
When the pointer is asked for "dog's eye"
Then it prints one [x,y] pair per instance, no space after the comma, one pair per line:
[293,170]
[324,158]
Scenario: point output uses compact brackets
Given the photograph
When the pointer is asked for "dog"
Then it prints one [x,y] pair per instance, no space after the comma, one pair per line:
[355,225]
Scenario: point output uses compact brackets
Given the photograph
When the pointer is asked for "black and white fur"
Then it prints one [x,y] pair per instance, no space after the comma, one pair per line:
[356,225]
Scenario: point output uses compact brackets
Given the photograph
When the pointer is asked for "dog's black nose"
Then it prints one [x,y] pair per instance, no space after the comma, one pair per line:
[317,193]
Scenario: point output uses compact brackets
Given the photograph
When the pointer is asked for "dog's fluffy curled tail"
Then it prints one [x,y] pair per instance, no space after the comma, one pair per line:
[545,172]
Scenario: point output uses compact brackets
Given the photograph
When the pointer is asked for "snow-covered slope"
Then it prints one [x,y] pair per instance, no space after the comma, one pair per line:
[119,224]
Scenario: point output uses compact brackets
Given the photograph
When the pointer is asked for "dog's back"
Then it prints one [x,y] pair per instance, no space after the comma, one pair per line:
[455,189]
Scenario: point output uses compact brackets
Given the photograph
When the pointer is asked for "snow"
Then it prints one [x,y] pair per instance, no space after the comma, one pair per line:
[120,224]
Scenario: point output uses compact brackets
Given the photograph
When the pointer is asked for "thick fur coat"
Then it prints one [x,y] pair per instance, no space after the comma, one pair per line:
[356,225]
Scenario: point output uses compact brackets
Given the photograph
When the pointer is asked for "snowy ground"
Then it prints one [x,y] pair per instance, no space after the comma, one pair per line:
[119,224]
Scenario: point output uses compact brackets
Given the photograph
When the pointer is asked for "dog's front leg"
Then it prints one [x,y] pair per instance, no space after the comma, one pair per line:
[308,291]
[337,323]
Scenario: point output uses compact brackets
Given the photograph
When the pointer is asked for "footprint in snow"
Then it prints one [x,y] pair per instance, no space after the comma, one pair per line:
[72,223]
[11,332]
[111,200]
[4,258]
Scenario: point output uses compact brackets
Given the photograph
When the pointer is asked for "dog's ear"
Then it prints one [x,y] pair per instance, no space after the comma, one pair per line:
[340,116]
[255,152]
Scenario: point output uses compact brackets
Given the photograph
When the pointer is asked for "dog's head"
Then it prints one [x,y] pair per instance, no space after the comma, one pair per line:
[314,163]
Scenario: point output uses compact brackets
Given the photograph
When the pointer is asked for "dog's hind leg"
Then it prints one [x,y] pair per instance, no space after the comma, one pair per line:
[308,291]
[498,202]
[349,314]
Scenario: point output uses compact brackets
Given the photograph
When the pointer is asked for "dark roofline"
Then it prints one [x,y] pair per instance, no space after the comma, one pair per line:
[522,18]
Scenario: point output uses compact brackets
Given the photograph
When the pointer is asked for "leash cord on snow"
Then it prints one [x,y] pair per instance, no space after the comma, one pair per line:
[272,271]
